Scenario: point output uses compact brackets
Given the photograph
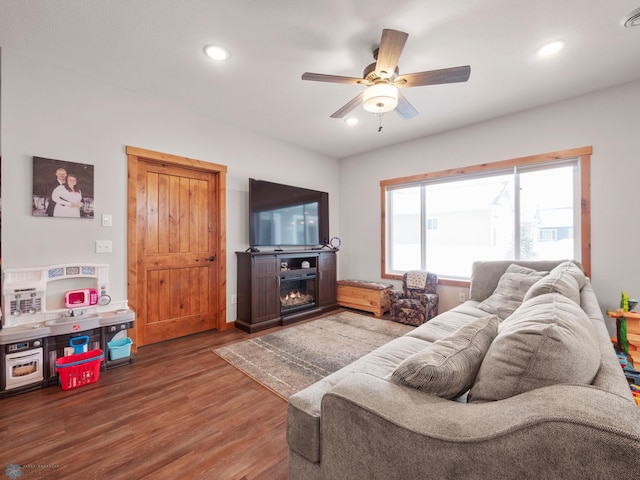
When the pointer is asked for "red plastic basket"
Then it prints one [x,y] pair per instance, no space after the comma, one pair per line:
[80,369]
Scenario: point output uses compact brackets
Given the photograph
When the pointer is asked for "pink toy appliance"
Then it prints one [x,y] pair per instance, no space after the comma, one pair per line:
[84,297]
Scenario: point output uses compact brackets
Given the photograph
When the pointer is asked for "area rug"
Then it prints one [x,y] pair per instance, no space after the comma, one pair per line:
[293,358]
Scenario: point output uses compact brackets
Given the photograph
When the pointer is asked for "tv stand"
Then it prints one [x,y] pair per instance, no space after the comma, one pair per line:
[264,279]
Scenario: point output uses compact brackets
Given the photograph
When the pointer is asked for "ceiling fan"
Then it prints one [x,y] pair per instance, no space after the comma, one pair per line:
[382,79]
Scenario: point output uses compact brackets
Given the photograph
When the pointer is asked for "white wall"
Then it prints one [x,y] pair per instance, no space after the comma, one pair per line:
[55,113]
[608,120]
[52,112]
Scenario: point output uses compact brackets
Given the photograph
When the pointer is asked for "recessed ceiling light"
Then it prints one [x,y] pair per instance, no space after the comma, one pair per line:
[216,53]
[351,121]
[551,48]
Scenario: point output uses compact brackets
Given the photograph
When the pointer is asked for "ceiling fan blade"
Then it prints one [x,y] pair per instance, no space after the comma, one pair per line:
[404,108]
[434,77]
[348,107]
[391,45]
[319,77]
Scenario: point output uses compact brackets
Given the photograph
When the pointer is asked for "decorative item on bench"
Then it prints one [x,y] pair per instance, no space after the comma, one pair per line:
[417,303]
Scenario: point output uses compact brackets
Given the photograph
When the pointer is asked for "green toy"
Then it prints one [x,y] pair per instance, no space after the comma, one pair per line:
[624,305]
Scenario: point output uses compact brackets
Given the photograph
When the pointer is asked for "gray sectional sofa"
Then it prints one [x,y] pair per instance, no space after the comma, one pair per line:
[521,381]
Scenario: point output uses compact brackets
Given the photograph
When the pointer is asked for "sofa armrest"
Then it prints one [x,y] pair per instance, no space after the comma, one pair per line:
[425,298]
[373,428]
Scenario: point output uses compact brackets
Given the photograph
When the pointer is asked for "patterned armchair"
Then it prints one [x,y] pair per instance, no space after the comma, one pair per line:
[417,303]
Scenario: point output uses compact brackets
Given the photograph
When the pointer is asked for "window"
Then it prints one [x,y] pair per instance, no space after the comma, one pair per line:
[521,209]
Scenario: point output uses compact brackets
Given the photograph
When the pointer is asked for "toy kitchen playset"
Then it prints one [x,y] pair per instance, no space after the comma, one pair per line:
[48,310]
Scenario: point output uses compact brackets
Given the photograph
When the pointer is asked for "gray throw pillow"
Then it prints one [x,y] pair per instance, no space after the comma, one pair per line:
[511,289]
[564,279]
[548,340]
[571,268]
[448,367]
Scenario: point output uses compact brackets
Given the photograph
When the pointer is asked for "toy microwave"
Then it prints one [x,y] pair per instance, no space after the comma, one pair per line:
[84,297]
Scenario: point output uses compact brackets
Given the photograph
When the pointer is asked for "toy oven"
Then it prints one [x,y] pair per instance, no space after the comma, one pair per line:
[24,364]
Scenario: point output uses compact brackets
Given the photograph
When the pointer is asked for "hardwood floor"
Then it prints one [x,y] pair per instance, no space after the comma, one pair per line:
[178,412]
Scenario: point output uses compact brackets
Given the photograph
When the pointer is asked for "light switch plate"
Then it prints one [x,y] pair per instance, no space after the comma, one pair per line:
[103,246]
[107,220]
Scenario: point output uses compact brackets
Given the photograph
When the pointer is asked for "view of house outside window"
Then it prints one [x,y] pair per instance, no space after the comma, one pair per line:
[523,213]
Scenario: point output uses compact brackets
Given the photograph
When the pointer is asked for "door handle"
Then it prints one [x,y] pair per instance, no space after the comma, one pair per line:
[212,258]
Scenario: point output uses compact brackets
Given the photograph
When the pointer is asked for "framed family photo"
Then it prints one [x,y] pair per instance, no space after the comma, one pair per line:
[62,189]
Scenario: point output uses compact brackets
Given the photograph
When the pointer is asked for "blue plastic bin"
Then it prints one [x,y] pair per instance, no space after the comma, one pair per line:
[120,348]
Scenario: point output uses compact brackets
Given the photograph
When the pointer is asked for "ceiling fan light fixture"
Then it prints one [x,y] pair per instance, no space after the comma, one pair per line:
[380,98]
[632,20]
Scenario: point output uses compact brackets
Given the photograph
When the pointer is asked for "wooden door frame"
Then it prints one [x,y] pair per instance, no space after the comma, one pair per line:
[134,155]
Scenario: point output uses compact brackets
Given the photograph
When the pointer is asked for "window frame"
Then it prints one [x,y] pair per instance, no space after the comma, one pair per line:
[548,238]
[583,156]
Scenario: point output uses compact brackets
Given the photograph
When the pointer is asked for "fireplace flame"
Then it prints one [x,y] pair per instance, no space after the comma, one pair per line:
[295,298]
[292,295]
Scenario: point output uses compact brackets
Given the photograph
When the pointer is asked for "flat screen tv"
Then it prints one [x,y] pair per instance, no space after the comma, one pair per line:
[284,215]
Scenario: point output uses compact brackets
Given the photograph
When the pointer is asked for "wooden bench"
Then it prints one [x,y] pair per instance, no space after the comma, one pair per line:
[363,295]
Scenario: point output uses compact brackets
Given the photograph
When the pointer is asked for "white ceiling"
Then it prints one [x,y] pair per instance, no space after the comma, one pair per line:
[155,47]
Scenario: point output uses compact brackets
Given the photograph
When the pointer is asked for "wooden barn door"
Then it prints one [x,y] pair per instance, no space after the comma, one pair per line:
[176,245]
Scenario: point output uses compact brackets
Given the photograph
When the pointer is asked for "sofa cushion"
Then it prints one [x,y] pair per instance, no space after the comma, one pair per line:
[485,274]
[448,367]
[511,289]
[448,322]
[548,340]
[572,269]
[303,428]
[566,279]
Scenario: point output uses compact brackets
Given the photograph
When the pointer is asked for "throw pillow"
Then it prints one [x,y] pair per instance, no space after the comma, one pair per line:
[561,280]
[572,269]
[547,341]
[511,289]
[448,367]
